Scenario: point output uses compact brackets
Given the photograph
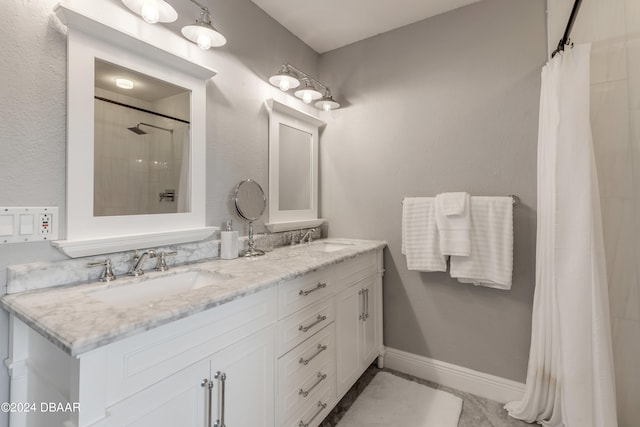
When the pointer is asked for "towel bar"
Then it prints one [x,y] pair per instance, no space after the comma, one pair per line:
[516,199]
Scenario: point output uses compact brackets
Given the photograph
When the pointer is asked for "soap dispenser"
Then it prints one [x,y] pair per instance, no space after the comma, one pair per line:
[228,242]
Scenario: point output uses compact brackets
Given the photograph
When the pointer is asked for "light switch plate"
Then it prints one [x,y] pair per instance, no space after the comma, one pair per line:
[29,224]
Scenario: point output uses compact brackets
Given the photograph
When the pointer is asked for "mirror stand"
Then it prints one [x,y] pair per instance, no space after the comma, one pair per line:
[251,243]
[250,203]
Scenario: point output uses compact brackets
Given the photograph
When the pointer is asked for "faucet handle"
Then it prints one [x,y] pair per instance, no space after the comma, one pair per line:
[107,274]
[162,260]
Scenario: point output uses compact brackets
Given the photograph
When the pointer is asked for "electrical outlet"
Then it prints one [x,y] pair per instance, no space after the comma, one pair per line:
[45,223]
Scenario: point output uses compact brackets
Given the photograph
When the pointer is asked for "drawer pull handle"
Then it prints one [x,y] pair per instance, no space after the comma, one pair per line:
[208,385]
[318,320]
[362,313]
[321,377]
[321,407]
[319,286]
[305,362]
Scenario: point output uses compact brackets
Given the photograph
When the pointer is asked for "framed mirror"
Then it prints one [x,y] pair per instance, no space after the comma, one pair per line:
[293,168]
[135,161]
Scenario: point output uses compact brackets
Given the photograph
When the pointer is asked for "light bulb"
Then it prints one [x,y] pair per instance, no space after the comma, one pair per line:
[150,11]
[307,98]
[124,83]
[284,85]
[326,106]
[204,41]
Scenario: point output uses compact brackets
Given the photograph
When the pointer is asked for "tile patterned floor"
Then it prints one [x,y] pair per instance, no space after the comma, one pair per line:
[476,411]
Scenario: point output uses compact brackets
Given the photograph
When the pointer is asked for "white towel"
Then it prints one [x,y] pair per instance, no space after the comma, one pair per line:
[491,260]
[420,235]
[454,223]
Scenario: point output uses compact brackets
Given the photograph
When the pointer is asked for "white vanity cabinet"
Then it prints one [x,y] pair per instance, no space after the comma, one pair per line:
[278,357]
[234,387]
[159,377]
[358,320]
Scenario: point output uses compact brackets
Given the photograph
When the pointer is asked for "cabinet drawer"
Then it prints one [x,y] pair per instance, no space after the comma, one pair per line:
[139,361]
[353,270]
[312,414]
[304,373]
[298,293]
[300,326]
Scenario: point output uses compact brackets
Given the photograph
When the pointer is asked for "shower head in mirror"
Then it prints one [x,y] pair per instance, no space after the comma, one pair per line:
[136,129]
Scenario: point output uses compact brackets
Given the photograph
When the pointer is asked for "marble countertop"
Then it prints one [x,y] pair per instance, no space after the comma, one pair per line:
[77,322]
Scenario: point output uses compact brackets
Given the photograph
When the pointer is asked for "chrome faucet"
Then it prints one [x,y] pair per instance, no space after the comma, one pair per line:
[308,236]
[138,261]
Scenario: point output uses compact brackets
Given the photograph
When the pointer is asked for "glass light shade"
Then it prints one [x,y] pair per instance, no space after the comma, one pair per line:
[152,11]
[285,80]
[204,35]
[327,103]
[308,93]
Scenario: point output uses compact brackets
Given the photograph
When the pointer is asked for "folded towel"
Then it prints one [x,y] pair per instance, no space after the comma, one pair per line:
[490,262]
[452,203]
[454,223]
[420,236]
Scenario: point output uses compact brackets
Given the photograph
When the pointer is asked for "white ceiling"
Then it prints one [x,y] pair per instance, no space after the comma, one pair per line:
[329,24]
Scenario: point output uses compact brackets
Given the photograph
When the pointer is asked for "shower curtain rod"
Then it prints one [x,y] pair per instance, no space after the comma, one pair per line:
[99,98]
[565,40]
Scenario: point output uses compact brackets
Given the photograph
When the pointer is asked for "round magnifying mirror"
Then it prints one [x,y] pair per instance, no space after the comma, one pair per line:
[250,203]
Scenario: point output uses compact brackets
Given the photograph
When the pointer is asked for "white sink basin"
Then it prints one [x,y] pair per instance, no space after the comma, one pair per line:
[149,289]
[329,245]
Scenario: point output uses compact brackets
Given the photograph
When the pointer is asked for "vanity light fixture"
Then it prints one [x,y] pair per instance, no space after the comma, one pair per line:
[290,77]
[203,33]
[152,11]
[285,79]
[327,103]
[308,92]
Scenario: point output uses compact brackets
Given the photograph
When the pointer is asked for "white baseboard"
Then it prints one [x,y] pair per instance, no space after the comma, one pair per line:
[463,379]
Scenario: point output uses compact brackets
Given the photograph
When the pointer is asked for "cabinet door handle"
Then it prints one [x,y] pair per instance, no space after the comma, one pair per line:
[319,319]
[362,313]
[321,377]
[305,362]
[319,286]
[321,407]
[222,377]
[208,385]
[366,304]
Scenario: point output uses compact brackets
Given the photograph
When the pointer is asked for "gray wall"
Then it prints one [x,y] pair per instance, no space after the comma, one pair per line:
[33,113]
[446,104]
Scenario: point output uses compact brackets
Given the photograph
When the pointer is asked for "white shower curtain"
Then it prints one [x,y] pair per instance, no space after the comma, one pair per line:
[570,380]
[184,179]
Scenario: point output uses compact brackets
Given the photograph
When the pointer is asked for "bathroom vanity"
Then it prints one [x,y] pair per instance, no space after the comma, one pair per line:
[269,341]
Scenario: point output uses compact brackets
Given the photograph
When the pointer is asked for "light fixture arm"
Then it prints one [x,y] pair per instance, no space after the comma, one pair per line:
[304,76]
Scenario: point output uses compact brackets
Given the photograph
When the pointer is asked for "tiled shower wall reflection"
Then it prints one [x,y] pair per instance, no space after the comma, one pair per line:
[613,28]
[132,170]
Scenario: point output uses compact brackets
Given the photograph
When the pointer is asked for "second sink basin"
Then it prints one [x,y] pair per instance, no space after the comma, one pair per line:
[329,245]
[149,289]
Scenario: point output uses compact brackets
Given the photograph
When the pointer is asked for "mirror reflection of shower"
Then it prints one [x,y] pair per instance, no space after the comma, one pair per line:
[141,145]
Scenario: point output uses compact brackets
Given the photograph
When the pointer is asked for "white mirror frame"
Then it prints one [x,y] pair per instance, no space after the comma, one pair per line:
[88,234]
[282,220]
